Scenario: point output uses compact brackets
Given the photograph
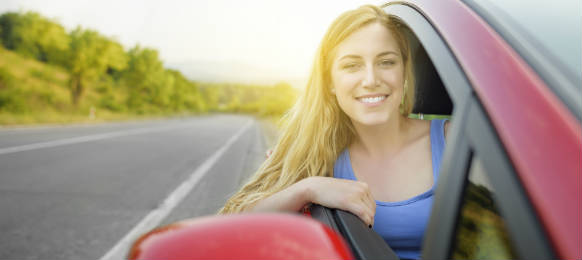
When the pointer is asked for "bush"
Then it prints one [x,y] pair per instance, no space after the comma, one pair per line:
[108,102]
[13,100]
[6,79]
[44,75]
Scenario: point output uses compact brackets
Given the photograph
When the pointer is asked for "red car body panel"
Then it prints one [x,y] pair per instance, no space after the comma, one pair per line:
[245,236]
[541,136]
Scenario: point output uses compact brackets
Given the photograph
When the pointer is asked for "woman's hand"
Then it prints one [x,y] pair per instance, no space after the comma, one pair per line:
[348,195]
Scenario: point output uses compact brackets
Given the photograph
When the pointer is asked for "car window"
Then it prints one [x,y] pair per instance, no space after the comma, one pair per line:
[481,231]
[432,98]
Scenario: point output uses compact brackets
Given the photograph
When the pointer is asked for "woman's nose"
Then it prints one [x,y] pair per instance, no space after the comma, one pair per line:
[370,80]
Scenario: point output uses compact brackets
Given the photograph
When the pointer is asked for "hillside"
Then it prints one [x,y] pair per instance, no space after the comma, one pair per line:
[33,92]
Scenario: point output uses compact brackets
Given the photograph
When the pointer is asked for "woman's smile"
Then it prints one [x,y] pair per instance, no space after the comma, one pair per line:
[372,100]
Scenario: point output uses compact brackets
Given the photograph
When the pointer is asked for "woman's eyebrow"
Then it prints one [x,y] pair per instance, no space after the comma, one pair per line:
[387,53]
[350,56]
[353,56]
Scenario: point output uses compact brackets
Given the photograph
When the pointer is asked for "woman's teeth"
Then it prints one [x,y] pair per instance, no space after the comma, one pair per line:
[372,99]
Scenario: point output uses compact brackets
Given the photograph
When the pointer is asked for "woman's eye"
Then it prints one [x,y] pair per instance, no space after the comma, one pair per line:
[350,66]
[387,62]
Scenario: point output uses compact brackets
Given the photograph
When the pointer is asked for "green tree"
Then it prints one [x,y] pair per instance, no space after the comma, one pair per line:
[33,35]
[91,55]
[145,78]
[179,90]
[185,95]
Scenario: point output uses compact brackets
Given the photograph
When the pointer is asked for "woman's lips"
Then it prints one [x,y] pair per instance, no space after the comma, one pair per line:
[372,99]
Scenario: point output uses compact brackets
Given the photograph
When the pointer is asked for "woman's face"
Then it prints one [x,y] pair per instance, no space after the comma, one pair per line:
[368,75]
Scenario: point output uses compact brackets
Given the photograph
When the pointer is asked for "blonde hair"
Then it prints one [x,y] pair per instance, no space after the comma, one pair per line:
[317,130]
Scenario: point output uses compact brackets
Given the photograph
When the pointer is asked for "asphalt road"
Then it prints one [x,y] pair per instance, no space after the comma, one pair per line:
[75,192]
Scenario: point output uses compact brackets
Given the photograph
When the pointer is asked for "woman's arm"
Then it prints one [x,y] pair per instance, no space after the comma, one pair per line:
[293,198]
[352,196]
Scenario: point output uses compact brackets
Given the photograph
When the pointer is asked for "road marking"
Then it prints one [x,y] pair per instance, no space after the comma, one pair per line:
[155,217]
[87,138]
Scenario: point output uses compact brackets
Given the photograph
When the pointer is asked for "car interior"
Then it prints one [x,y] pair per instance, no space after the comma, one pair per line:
[431,95]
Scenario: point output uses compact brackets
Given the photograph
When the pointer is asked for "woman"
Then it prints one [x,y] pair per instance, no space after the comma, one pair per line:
[352,124]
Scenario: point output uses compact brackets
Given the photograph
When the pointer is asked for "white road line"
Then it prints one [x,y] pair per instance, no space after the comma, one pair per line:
[153,219]
[87,138]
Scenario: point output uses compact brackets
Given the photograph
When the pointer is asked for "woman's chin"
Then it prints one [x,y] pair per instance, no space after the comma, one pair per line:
[373,120]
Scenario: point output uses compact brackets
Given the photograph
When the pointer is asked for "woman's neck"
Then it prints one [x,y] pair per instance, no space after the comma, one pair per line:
[382,140]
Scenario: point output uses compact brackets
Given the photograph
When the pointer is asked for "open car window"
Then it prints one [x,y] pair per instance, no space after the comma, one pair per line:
[431,96]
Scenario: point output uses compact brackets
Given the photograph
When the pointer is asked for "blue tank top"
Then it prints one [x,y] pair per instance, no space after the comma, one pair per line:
[402,223]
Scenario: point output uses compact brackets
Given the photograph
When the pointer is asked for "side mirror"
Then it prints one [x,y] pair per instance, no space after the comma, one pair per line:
[243,236]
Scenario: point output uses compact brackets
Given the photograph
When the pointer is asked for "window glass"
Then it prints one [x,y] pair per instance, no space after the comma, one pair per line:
[556,25]
[481,230]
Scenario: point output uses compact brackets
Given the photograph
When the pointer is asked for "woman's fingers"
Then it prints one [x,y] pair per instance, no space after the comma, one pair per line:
[366,201]
[370,209]
[367,212]
[360,201]
[372,202]
[352,196]
[368,197]
[363,213]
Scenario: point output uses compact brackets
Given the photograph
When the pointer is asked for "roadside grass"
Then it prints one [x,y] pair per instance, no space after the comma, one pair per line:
[32,92]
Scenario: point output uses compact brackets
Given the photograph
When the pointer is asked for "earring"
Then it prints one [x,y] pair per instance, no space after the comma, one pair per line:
[404,93]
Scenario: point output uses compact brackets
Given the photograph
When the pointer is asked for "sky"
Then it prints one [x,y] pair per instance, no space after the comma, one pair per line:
[247,41]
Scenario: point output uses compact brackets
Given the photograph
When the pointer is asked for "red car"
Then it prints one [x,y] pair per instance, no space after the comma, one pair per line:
[509,75]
